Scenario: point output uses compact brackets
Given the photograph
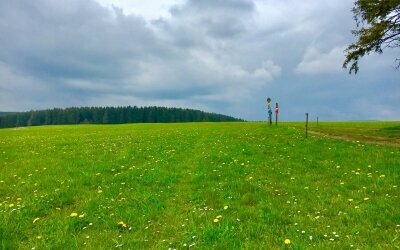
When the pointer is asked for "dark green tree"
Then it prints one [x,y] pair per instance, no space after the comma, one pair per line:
[108,115]
[378,28]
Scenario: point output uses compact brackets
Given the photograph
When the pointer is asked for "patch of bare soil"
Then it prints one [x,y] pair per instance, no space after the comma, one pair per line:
[371,140]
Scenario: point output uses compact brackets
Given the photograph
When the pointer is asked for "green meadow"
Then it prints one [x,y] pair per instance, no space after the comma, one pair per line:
[200,186]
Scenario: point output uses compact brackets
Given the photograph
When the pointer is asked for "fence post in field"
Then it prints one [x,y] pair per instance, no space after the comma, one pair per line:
[306,124]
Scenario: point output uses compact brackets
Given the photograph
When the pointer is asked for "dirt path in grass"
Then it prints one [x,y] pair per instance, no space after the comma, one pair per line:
[370,140]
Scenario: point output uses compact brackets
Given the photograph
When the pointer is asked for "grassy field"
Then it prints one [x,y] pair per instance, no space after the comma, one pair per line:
[198,186]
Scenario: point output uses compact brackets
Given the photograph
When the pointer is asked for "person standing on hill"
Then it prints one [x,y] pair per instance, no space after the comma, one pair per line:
[269,111]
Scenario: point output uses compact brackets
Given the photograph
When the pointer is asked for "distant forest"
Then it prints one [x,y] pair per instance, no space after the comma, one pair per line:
[108,115]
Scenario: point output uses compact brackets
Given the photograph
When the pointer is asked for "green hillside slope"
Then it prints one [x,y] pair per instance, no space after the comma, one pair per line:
[195,186]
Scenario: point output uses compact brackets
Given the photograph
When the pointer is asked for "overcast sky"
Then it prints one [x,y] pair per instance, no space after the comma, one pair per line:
[224,56]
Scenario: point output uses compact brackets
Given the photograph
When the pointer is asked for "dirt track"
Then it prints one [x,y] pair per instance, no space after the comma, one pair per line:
[371,140]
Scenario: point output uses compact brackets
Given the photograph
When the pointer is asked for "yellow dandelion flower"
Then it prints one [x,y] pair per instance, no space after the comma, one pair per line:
[356,207]
[36,219]
[287,241]
[366,198]
[350,200]
[219,217]
[81,215]
[216,220]
[39,237]
[74,214]
[226,207]
[11,205]
[99,191]
[122,224]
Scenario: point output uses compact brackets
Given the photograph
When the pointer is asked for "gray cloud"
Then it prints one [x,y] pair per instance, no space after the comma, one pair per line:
[218,55]
[78,40]
[218,19]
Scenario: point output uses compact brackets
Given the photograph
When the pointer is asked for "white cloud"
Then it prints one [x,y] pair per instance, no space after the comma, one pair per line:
[267,71]
[315,62]
[148,9]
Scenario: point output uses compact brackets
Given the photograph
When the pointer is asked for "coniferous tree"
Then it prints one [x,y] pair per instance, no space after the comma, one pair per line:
[107,115]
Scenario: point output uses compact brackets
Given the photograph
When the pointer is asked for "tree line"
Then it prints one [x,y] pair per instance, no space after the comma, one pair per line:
[109,115]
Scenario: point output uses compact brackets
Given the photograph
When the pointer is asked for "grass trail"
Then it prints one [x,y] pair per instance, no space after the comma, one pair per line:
[386,133]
